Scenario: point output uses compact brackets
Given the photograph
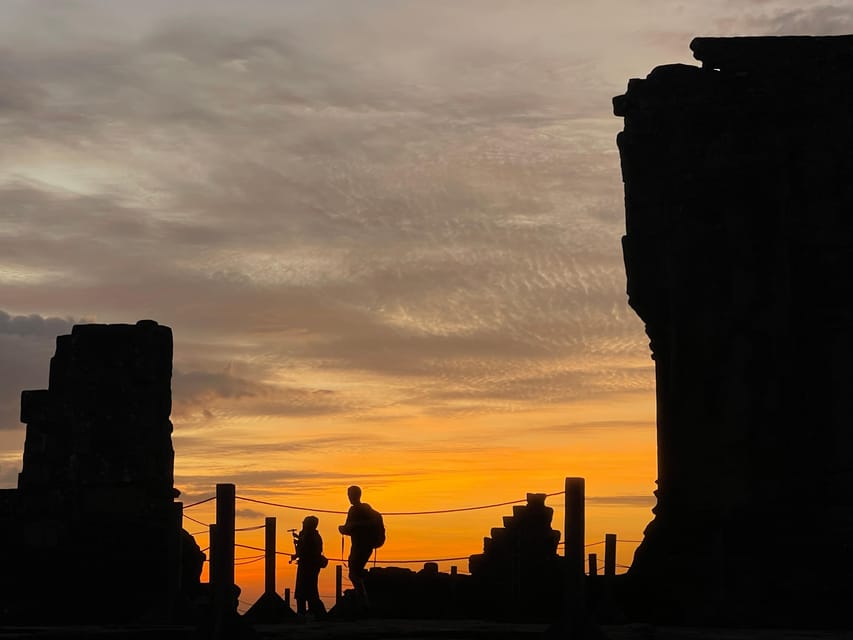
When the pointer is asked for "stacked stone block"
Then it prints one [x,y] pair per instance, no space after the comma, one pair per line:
[91,532]
[519,571]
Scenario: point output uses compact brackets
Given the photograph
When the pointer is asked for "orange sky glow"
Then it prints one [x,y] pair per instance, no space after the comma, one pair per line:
[609,443]
[386,236]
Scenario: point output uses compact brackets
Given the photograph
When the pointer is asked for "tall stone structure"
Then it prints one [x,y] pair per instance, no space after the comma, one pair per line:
[739,256]
[92,532]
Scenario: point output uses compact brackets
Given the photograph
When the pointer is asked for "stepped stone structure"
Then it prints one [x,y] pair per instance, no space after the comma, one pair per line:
[92,532]
[519,572]
[739,256]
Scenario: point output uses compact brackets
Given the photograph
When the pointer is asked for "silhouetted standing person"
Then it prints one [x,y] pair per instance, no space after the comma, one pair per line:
[367,532]
[310,558]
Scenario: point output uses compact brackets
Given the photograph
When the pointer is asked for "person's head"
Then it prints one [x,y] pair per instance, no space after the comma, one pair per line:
[310,523]
[354,494]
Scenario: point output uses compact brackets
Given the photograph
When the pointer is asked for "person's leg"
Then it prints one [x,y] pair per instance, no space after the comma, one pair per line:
[299,593]
[315,605]
[318,609]
[357,561]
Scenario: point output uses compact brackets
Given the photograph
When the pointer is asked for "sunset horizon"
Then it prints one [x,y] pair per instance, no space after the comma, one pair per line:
[386,237]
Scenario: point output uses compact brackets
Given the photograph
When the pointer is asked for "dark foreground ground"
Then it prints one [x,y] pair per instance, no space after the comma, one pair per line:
[414,629]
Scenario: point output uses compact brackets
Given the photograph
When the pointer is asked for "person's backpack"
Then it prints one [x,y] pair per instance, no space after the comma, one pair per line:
[378,528]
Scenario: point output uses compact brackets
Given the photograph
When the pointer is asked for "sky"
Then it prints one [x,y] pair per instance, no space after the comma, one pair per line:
[386,235]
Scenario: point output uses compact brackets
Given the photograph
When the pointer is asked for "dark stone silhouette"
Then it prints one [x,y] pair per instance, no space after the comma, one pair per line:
[192,564]
[519,574]
[92,532]
[739,256]
[397,592]
[270,608]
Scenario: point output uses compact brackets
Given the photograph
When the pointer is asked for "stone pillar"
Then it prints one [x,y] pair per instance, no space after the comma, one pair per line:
[739,255]
[95,497]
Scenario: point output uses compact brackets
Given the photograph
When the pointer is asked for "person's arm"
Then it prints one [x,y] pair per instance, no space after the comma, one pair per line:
[346,527]
[302,545]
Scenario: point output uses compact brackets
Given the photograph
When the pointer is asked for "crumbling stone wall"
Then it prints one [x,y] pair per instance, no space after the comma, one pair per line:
[519,574]
[91,533]
[739,256]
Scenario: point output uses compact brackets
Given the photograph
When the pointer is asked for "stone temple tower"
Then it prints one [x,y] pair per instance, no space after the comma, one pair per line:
[739,255]
[91,532]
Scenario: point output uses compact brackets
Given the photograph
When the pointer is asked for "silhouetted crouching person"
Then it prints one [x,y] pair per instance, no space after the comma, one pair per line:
[310,558]
[366,530]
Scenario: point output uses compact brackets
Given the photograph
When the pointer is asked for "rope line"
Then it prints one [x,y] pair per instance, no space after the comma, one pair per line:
[204,524]
[398,513]
[195,504]
[283,553]
[278,553]
[289,506]
[191,519]
[421,561]
[249,557]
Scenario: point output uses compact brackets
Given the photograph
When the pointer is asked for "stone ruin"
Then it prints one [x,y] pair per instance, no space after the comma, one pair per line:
[519,576]
[519,573]
[399,592]
[92,531]
[739,256]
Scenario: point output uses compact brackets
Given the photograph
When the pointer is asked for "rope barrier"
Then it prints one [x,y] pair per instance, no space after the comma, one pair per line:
[283,553]
[423,561]
[191,519]
[195,504]
[250,557]
[204,524]
[278,553]
[397,513]
[288,506]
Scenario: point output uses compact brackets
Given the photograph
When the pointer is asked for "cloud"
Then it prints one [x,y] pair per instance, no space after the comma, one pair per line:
[267,484]
[599,426]
[209,391]
[34,325]
[425,197]
[27,343]
[9,474]
[623,501]
[780,18]
[209,445]
[249,514]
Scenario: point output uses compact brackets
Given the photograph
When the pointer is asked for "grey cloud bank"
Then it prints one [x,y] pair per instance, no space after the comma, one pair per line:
[426,194]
